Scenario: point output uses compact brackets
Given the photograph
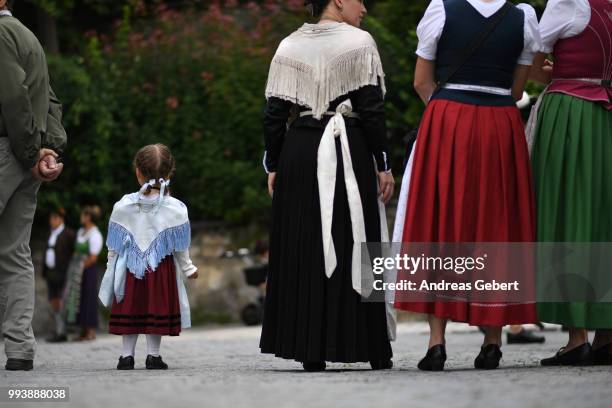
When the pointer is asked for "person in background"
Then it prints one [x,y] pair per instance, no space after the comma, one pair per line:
[81,303]
[518,334]
[60,247]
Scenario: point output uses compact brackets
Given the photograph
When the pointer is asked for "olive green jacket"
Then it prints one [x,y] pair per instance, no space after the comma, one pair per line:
[30,114]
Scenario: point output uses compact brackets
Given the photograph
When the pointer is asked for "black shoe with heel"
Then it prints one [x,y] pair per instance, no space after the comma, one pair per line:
[488,358]
[524,337]
[578,356]
[434,359]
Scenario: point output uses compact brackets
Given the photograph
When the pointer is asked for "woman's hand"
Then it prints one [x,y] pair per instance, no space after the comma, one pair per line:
[386,183]
[90,261]
[193,275]
[541,70]
[271,178]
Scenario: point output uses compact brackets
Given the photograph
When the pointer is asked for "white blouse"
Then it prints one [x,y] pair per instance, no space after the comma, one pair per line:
[563,19]
[431,26]
[50,254]
[93,237]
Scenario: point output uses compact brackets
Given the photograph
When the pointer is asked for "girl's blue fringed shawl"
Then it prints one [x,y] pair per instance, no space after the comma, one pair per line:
[143,233]
[174,239]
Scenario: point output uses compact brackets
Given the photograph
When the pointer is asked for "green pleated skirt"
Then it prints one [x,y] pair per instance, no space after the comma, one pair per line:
[572,166]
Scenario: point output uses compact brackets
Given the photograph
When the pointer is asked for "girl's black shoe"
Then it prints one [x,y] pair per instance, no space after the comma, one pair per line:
[488,358]
[126,363]
[434,359]
[602,355]
[155,363]
[381,364]
[315,366]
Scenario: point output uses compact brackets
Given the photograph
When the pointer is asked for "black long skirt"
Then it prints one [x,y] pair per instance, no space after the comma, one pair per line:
[309,317]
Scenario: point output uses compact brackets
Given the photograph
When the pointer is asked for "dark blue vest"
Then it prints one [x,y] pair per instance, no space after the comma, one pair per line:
[492,64]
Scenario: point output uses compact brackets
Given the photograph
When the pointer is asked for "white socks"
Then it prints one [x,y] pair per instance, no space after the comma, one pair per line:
[153,343]
[60,326]
[129,344]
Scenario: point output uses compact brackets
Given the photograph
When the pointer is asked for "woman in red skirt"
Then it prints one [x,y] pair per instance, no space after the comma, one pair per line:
[148,241]
[468,179]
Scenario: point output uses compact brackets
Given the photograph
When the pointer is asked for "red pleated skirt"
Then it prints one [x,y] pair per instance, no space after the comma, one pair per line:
[150,305]
[470,182]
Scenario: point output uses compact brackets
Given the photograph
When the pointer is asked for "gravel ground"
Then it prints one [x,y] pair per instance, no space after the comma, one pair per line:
[221,367]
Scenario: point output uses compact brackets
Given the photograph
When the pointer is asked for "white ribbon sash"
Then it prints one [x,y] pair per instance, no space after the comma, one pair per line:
[326,175]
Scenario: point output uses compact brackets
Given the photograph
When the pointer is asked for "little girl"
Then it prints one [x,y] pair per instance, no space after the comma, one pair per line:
[148,253]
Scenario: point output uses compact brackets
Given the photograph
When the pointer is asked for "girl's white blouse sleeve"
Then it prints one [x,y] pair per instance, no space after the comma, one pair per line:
[563,19]
[430,29]
[184,262]
[532,40]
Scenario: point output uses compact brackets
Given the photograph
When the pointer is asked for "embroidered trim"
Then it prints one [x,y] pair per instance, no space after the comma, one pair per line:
[120,240]
[479,88]
[144,324]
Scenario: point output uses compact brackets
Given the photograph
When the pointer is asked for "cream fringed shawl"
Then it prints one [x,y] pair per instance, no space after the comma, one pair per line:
[321,62]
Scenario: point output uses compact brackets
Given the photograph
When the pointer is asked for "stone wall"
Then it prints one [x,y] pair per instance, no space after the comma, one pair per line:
[217,296]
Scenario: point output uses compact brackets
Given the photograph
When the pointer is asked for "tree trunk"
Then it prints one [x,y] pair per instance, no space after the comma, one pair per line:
[47,31]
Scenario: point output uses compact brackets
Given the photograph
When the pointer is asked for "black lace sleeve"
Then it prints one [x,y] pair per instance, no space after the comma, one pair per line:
[369,103]
[276,115]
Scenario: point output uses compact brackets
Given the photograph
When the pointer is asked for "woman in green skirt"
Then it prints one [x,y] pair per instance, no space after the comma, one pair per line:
[572,158]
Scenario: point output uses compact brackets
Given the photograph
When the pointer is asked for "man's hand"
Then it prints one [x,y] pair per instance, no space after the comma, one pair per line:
[193,275]
[47,168]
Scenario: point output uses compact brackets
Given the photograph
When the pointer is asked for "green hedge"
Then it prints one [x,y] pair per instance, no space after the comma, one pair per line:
[195,80]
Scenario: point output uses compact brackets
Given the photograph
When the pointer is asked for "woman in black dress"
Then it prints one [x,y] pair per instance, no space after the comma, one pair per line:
[329,177]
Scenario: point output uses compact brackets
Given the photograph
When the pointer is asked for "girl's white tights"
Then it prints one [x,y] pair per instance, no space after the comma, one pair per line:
[129,344]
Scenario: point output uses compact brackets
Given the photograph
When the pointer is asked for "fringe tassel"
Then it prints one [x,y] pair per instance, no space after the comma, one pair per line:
[175,239]
[299,83]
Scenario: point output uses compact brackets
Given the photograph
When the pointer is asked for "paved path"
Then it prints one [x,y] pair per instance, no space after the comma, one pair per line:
[222,368]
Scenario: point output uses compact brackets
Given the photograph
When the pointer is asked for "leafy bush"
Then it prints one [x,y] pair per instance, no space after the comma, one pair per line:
[194,79]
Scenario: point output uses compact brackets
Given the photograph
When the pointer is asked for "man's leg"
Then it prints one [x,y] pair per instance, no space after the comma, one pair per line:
[16,269]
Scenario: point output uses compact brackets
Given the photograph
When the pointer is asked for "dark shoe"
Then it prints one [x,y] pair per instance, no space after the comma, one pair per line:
[434,359]
[15,364]
[602,355]
[381,364]
[58,338]
[155,363]
[488,358]
[524,337]
[578,356]
[125,363]
[312,367]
